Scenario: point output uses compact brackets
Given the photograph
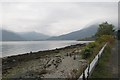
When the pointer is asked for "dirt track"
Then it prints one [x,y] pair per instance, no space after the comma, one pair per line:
[114,60]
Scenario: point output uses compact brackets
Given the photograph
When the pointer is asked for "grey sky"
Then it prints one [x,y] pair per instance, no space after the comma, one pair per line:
[55,18]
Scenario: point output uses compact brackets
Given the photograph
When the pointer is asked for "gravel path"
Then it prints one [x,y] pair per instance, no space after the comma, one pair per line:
[114,60]
[119,59]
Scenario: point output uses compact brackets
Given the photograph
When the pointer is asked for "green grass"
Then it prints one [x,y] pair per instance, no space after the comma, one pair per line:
[102,69]
[96,51]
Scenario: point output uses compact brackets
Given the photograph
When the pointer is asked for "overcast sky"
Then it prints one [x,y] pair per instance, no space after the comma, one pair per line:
[55,18]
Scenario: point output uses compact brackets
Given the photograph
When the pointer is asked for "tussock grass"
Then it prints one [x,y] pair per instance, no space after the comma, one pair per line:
[102,70]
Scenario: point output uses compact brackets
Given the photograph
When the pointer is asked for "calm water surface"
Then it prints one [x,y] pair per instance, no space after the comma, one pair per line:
[21,47]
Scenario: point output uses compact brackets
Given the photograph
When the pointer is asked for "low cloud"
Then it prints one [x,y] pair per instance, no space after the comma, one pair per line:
[55,18]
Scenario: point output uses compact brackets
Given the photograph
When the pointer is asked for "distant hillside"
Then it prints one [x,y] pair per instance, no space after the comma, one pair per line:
[92,38]
[10,36]
[84,33]
[29,36]
[34,36]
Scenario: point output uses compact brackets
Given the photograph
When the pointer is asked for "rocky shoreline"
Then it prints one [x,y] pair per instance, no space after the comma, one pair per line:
[58,63]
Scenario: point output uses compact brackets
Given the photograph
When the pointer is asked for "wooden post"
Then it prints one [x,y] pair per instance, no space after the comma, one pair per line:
[84,75]
[98,58]
[92,65]
[88,73]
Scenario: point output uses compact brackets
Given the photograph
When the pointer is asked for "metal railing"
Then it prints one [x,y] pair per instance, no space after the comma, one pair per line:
[88,71]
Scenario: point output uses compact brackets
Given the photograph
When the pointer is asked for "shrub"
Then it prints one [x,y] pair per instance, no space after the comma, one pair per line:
[93,44]
[87,52]
[106,38]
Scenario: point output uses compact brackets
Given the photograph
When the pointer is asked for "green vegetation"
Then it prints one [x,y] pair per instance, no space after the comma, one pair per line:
[105,29]
[91,50]
[105,34]
[87,52]
[102,70]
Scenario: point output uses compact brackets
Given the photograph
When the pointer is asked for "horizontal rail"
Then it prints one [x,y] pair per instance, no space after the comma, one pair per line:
[88,71]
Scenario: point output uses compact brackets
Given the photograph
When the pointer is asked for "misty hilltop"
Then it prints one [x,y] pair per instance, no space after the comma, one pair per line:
[80,34]
[10,36]
[25,36]
[33,36]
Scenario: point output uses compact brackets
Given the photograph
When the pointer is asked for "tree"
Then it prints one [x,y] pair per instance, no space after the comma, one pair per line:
[105,38]
[87,52]
[105,29]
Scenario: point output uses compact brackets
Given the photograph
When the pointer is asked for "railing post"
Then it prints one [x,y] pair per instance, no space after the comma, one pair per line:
[88,71]
[83,75]
[98,58]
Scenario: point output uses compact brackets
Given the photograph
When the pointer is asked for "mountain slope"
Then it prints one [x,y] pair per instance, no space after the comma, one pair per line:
[34,36]
[86,32]
[7,35]
[10,36]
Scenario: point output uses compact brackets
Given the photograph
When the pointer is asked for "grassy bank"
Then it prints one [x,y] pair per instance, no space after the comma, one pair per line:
[105,34]
[102,70]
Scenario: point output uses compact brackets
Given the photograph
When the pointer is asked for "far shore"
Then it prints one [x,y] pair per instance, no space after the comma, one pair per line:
[45,64]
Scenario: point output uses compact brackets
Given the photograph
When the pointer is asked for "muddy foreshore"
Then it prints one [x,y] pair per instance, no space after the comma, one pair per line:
[57,63]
